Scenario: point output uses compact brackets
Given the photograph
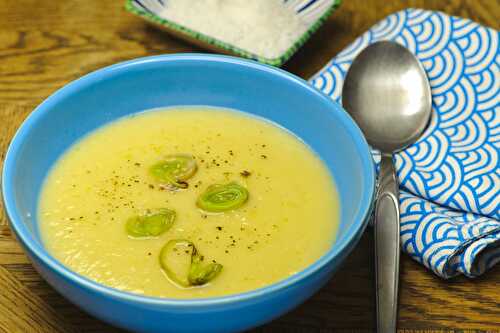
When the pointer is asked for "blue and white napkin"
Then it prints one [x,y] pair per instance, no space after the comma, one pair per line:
[450,178]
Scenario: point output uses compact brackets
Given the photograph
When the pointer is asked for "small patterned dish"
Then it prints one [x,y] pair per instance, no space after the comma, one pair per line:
[312,12]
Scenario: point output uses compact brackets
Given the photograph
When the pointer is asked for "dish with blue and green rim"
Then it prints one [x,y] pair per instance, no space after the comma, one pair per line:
[316,11]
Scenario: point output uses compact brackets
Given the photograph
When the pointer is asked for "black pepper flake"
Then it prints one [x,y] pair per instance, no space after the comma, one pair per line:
[231,153]
[149,253]
[81,217]
[263,146]
[263,156]
[151,186]
[204,216]
[183,184]
[216,237]
[245,173]
[218,228]
[137,164]
[226,251]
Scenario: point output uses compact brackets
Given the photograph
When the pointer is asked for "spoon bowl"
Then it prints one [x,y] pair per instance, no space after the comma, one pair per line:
[387,93]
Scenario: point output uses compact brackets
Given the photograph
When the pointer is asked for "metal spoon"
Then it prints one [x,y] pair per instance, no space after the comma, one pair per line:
[387,93]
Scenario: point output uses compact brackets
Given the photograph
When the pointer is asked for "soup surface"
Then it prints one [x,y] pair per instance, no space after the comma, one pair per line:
[102,182]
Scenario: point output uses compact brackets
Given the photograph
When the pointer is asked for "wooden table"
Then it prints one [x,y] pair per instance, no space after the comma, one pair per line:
[46,44]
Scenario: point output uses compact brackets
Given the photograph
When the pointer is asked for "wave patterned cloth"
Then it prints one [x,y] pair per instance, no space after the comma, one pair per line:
[450,178]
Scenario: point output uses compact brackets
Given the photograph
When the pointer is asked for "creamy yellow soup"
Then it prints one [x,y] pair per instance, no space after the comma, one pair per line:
[288,221]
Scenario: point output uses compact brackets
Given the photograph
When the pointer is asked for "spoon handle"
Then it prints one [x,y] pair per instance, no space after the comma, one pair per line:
[387,247]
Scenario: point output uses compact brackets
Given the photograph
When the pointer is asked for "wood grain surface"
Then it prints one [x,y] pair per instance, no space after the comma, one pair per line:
[46,44]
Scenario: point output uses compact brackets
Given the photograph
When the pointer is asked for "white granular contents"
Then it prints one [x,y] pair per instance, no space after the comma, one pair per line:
[266,28]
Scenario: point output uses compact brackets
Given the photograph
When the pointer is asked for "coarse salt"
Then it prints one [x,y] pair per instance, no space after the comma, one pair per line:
[266,28]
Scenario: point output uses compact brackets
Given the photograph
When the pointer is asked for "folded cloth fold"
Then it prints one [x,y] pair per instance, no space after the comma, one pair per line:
[450,178]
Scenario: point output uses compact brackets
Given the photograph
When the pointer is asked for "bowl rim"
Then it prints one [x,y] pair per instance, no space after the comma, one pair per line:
[35,248]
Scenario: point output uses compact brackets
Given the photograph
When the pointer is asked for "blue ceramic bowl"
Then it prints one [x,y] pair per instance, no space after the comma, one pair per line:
[192,79]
